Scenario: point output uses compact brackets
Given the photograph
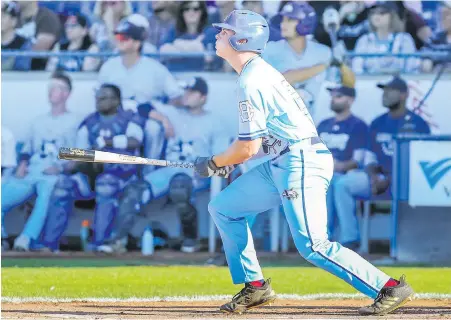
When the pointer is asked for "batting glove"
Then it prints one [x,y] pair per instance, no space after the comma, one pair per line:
[205,167]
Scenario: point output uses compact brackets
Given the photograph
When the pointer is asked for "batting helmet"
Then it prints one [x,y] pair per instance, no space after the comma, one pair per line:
[302,12]
[251,30]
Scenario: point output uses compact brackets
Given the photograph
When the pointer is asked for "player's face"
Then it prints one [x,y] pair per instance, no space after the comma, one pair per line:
[106,100]
[193,99]
[58,91]
[223,47]
[288,28]
[391,98]
[340,103]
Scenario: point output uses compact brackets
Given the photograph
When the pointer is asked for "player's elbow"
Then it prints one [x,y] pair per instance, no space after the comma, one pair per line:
[249,148]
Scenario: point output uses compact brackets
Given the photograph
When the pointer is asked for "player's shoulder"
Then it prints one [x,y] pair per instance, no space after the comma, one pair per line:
[89,119]
[417,118]
[379,120]
[151,63]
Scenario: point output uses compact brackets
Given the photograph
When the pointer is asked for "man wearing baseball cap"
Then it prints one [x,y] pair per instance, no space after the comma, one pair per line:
[346,136]
[141,79]
[375,178]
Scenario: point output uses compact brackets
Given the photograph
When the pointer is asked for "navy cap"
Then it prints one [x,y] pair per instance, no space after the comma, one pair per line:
[11,7]
[346,91]
[395,83]
[389,5]
[134,26]
[197,84]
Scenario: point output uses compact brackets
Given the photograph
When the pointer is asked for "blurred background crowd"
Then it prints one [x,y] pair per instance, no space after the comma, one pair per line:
[135,49]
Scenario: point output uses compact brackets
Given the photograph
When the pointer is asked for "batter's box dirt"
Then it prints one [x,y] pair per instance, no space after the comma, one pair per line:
[281,309]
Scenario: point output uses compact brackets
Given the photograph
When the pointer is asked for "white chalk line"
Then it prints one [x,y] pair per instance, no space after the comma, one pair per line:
[319,296]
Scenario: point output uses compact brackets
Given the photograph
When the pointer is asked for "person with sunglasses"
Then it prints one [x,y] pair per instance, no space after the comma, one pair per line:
[386,36]
[346,136]
[190,35]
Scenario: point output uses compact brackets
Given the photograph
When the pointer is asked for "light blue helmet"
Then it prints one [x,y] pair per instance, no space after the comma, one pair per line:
[251,30]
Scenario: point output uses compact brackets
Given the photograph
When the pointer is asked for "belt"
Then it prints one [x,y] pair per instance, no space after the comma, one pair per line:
[305,142]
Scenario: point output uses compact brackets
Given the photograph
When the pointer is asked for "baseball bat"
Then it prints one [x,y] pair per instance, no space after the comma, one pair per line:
[83,155]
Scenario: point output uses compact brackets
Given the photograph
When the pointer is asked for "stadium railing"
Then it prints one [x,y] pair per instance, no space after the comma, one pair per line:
[436,56]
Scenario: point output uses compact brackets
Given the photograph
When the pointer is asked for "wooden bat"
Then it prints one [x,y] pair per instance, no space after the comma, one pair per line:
[83,155]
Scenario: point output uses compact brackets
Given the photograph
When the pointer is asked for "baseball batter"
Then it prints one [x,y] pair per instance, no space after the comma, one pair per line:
[297,175]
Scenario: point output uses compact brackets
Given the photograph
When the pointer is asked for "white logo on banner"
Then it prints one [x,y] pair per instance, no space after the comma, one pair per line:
[430,173]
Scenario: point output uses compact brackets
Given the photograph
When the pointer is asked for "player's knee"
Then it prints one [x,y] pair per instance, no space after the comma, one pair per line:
[135,195]
[107,186]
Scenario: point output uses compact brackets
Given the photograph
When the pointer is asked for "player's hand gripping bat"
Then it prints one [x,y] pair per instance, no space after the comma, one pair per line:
[76,154]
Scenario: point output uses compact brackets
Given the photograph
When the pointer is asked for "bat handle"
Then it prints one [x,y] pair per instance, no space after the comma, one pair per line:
[76,154]
[180,164]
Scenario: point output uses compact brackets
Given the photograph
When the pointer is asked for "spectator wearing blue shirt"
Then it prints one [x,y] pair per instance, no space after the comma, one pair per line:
[375,179]
[346,136]
[191,34]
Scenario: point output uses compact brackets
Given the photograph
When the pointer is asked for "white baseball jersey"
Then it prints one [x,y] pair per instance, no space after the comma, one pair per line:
[282,57]
[145,81]
[269,107]
[46,135]
[195,135]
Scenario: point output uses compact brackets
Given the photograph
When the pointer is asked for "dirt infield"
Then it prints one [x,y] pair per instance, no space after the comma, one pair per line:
[282,309]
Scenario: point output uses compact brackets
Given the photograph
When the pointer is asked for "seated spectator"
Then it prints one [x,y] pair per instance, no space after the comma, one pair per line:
[441,41]
[191,34]
[141,79]
[161,22]
[76,28]
[42,27]
[39,169]
[386,36]
[375,179]
[197,132]
[107,15]
[346,136]
[109,129]
[414,23]
[11,40]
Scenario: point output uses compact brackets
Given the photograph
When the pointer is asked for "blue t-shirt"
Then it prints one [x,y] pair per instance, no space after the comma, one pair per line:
[382,129]
[346,139]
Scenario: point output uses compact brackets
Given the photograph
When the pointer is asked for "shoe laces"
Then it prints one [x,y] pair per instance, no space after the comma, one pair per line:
[242,294]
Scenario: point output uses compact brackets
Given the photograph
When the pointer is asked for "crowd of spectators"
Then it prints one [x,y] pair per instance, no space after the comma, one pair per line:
[182,32]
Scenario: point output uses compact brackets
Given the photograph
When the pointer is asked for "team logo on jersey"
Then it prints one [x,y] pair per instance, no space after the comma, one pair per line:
[246,111]
[290,194]
[271,144]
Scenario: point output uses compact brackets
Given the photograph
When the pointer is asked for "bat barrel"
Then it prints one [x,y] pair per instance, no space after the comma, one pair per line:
[76,154]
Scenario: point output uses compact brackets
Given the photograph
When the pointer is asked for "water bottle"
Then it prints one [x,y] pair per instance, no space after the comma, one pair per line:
[147,243]
[84,234]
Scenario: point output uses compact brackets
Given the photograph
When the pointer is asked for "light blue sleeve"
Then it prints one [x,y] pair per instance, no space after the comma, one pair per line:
[252,115]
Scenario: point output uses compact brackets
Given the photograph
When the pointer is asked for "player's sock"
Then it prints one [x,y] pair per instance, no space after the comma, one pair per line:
[258,283]
[391,283]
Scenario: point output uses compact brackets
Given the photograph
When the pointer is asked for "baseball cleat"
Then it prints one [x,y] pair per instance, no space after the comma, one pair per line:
[389,299]
[250,297]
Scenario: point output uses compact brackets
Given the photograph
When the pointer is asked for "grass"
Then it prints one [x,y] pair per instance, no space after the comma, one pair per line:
[111,279]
